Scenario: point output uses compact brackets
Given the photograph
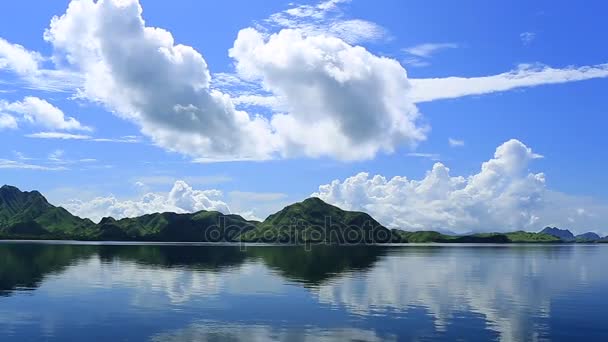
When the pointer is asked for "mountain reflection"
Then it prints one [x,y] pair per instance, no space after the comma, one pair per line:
[508,293]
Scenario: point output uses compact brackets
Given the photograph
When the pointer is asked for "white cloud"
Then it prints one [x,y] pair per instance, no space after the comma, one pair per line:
[147,78]
[192,180]
[347,104]
[70,136]
[41,113]
[431,89]
[26,65]
[527,37]
[502,196]
[343,101]
[58,135]
[419,55]
[13,164]
[17,58]
[181,199]
[56,155]
[7,121]
[428,49]
[455,142]
[431,156]
[326,18]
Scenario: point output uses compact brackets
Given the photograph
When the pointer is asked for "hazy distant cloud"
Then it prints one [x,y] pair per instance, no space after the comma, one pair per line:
[430,89]
[527,37]
[192,180]
[431,156]
[419,55]
[69,136]
[428,49]
[455,142]
[182,198]
[13,164]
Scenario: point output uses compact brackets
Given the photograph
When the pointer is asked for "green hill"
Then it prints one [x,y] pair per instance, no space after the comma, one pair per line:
[200,226]
[29,214]
[315,221]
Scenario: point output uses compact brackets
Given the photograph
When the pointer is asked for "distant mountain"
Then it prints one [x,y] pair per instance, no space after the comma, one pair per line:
[29,213]
[563,234]
[313,220]
[588,237]
[512,237]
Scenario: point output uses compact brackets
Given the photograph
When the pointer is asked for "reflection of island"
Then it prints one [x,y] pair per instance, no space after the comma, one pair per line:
[320,262]
[415,290]
[25,265]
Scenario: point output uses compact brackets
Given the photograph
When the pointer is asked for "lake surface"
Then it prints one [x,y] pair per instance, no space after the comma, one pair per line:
[75,292]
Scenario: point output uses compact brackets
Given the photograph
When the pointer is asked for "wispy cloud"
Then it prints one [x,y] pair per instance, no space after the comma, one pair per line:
[68,136]
[193,180]
[420,55]
[431,156]
[14,164]
[455,142]
[526,75]
[325,18]
[527,37]
[428,49]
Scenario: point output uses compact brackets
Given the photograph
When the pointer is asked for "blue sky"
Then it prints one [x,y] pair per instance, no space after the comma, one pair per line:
[328,90]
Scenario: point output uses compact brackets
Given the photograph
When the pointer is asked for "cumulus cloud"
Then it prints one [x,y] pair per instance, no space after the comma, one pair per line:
[342,100]
[431,89]
[502,196]
[181,199]
[146,77]
[42,113]
[17,58]
[325,95]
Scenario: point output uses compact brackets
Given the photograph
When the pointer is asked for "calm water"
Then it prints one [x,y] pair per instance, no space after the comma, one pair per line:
[199,293]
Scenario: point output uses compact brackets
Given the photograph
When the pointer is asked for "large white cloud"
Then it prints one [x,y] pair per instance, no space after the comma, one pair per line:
[342,100]
[141,74]
[181,199]
[502,196]
[42,113]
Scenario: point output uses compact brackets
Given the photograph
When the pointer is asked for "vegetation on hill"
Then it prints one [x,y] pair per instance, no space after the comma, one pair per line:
[28,215]
[315,221]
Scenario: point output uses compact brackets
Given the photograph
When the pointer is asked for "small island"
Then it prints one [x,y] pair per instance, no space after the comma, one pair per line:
[29,216]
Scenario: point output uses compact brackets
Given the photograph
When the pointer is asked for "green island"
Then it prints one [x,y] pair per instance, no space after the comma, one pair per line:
[29,216]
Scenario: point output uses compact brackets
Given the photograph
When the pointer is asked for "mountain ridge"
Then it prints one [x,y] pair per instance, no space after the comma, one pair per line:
[28,215]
